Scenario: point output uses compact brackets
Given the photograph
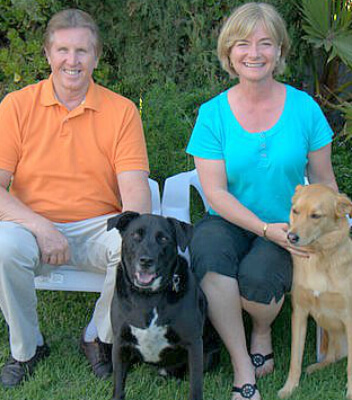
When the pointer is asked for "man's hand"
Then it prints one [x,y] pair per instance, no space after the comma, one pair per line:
[53,245]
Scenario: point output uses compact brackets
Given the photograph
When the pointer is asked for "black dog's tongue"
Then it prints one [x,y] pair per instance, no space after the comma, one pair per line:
[144,277]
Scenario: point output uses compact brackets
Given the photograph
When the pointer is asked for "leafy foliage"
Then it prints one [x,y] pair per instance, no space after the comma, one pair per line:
[328,27]
[162,53]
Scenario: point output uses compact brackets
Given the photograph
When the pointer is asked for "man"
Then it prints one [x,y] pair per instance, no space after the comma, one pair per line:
[76,154]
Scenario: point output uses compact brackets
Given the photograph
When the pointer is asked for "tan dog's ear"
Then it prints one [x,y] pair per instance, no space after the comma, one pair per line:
[298,188]
[343,205]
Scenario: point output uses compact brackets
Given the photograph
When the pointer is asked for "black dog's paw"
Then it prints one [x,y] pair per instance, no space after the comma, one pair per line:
[177,372]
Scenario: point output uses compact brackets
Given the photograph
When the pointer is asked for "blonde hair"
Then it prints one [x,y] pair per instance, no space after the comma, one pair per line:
[242,23]
[73,18]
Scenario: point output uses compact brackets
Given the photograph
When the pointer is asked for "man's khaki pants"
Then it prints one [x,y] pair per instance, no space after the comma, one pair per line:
[92,248]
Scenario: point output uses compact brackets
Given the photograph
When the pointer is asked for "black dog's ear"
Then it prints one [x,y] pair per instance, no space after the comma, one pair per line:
[183,231]
[121,221]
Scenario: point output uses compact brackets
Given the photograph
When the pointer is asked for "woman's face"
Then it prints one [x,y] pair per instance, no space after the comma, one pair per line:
[255,57]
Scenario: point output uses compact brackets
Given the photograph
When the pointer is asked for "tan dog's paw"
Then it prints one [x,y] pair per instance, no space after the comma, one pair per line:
[313,367]
[287,390]
[316,366]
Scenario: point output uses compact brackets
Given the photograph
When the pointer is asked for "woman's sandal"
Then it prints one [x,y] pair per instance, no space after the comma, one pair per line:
[258,359]
[247,391]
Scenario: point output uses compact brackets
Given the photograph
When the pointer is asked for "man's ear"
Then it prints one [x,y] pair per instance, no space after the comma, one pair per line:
[183,231]
[121,221]
[47,56]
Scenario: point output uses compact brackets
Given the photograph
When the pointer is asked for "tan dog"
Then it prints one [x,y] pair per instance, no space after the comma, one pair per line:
[322,283]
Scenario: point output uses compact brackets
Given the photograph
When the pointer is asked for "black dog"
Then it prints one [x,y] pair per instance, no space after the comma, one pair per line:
[158,310]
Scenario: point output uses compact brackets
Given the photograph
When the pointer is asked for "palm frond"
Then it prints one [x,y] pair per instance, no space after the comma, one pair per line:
[343,48]
[316,14]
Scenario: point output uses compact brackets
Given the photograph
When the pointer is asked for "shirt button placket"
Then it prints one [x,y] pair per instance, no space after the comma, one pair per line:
[64,127]
[263,149]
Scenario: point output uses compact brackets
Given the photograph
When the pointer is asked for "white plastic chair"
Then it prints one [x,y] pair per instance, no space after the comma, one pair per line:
[176,195]
[176,203]
[69,278]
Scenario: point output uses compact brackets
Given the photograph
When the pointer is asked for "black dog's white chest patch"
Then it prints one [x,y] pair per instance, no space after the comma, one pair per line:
[151,340]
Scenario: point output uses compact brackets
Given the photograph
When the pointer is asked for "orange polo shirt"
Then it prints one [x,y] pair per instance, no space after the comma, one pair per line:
[65,163]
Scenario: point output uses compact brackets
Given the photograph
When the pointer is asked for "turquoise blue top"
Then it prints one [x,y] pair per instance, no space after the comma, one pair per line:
[262,168]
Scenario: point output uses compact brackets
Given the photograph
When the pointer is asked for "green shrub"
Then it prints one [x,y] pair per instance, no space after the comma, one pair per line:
[163,52]
[342,161]
[168,116]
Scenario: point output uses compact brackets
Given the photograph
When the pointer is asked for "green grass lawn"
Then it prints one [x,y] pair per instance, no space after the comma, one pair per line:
[65,375]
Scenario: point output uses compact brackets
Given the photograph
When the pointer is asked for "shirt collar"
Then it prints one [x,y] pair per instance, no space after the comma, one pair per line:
[92,99]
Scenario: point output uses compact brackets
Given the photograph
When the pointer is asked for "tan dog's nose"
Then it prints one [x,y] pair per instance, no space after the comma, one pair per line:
[293,238]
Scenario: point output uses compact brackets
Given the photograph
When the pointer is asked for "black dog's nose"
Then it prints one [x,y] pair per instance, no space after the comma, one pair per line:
[146,261]
[293,238]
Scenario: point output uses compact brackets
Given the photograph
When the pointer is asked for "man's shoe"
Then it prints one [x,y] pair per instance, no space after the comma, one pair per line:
[14,372]
[99,356]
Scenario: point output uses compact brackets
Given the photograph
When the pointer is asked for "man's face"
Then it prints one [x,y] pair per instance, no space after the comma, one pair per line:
[72,58]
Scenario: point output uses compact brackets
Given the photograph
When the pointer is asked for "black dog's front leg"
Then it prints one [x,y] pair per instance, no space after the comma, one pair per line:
[195,364]
[120,366]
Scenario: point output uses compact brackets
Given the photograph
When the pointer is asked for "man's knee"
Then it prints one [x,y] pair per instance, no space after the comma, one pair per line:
[17,246]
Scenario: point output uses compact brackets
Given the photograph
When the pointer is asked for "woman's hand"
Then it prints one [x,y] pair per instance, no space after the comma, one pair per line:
[277,233]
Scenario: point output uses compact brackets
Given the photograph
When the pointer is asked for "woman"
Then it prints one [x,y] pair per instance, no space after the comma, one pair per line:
[252,145]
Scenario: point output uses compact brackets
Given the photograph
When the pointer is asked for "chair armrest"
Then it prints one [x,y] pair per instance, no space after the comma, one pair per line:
[176,196]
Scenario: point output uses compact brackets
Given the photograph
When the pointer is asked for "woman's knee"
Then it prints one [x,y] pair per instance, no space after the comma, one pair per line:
[265,273]
[262,287]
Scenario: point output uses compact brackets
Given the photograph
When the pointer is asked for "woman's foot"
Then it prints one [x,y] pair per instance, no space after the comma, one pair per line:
[244,386]
[262,353]
[246,391]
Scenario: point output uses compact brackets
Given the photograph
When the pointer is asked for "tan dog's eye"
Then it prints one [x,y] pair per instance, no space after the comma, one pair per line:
[315,216]
[294,211]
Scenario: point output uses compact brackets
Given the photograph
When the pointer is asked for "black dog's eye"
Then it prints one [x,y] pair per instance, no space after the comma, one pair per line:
[138,235]
[315,216]
[162,238]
